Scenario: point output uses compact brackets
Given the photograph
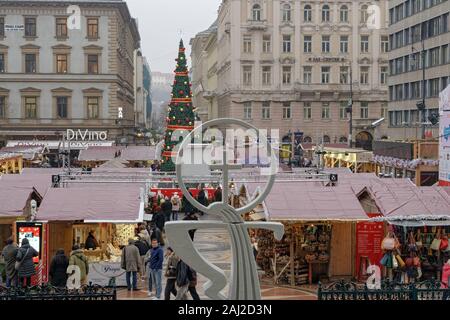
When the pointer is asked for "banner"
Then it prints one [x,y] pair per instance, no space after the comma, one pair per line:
[368,245]
[444,137]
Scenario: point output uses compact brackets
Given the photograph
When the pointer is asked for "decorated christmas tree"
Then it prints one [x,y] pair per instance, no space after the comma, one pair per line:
[181,116]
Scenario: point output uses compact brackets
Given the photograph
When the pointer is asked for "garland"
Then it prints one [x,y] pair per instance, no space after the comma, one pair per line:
[403,163]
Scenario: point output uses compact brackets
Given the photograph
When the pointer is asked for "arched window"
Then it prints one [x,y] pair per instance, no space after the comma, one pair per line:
[307,139]
[256,12]
[326,13]
[343,14]
[307,13]
[343,140]
[364,14]
[326,139]
[286,12]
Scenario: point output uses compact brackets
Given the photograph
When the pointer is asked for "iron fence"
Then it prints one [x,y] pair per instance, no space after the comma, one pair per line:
[345,290]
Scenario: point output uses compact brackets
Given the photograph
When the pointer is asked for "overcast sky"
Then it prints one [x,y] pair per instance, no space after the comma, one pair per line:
[160,22]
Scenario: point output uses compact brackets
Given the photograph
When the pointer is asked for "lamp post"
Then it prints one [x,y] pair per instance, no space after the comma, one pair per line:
[349,110]
[421,105]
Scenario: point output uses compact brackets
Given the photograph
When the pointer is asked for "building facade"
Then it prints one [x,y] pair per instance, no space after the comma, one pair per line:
[142,88]
[62,70]
[147,85]
[288,65]
[419,30]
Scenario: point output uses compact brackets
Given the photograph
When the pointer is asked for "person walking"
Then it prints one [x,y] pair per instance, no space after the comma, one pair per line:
[9,253]
[186,281]
[171,274]
[58,269]
[159,220]
[131,263]
[91,241]
[192,288]
[218,194]
[166,208]
[24,258]
[176,205]
[202,199]
[188,208]
[154,261]
[143,248]
[156,234]
[77,258]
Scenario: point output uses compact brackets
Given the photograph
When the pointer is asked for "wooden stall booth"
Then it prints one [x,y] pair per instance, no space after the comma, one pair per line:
[10,163]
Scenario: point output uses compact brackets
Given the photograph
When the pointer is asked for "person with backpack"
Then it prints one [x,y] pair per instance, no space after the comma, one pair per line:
[24,263]
[171,274]
[77,258]
[58,269]
[143,247]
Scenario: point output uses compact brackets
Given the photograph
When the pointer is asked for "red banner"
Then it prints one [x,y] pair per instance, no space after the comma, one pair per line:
[368,245]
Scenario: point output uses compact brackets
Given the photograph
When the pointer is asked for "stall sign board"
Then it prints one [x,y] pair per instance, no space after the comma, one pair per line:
[444,137]
[102,273]
[32,232]
[369,236]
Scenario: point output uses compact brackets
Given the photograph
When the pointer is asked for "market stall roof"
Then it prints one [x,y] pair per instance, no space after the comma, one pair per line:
[27,152]
[138,153]
[98,154]
[303,201]
[41,182]
[114,164]
[14,199]
[130,153]
[46,171]
[93,204]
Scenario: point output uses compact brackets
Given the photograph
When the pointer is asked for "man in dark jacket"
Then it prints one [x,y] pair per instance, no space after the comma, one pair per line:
[154,261]
[9,253]
[186,281]
[25,256]
[58,269]
[159,220]
[166,208]
[91,242]
[143,248]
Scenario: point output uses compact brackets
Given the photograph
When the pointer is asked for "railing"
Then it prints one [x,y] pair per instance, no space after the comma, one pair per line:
[48,292]
[344,290]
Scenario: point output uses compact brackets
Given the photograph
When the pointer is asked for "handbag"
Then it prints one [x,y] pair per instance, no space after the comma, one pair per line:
[388,243]
[444,243]
[19,263]
[394,262]
[400,261]
[384,260]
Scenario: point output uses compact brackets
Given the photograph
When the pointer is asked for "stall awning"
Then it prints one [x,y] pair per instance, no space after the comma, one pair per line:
[138,153]
[304,202]
[41,182]
[93,204]
[14,199]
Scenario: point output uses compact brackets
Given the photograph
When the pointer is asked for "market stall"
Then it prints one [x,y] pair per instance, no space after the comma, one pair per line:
[10,163]
[109,213]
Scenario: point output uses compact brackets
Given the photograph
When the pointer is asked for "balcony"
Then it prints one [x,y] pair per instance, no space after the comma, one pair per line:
[254,25]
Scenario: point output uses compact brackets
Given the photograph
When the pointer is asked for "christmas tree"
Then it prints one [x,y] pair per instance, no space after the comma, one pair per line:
[181,116]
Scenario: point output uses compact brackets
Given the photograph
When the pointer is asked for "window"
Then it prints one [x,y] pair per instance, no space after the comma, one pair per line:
[325,75]
[434,57]
[343,14]
[247,110]
[307,74]
[364,110]
[383,75]
[256,12]
[364,44]
[266,75]
[364,14]
[343,110]
[344,75]
[307,13]
[61,27]
[325,111]
[325,44]
[415,6]
[433,87]
[307,139]
[343,44]
[2,107]
[286,13]
[92,26]
[307,44]
[247,44]
[30,27]
[61,107]
[445,55]
[93,106]
[31,107]
[287,75]
[364,76]
[2,63]
[326,139]
[286,110]
[266,110]
[93,67]
[2,26]
[286,43]
[61,63]
[343,140]
[415,89]
[30,63]
[247,75]
[384,44]
[384,110]
[307,111]
[267,47]
[326,13]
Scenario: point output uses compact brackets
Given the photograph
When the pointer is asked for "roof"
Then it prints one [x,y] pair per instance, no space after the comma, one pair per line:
[93,204]
[41,182]
[130,153]
[27,152]
[13,200]
[98,154]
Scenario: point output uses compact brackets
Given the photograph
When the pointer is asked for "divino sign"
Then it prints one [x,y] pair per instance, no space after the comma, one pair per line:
[86,135]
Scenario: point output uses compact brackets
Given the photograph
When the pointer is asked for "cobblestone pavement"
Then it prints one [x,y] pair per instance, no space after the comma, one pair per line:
[214,244]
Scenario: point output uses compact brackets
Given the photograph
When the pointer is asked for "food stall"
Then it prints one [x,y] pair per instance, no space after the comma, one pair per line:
[110,212]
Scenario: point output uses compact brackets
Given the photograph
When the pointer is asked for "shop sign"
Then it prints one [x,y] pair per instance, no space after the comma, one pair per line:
[326,59]
[14,27]
[369,236]
[103,272]
[86,135]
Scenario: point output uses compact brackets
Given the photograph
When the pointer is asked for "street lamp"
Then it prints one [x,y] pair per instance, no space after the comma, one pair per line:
[349,109]
[421,105]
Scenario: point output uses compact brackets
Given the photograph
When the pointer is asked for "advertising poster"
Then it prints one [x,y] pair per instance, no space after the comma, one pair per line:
[32,232]
[444,137]
[369,236]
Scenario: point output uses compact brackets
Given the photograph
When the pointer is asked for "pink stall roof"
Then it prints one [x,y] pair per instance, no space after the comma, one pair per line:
[13,200]
[98,154]
[93,204]
[41,182]
[303,201]
[138,153]
[130,153]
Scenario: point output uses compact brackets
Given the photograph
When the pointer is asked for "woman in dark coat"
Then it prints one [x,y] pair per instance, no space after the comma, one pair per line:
[25,256]
[58,269]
